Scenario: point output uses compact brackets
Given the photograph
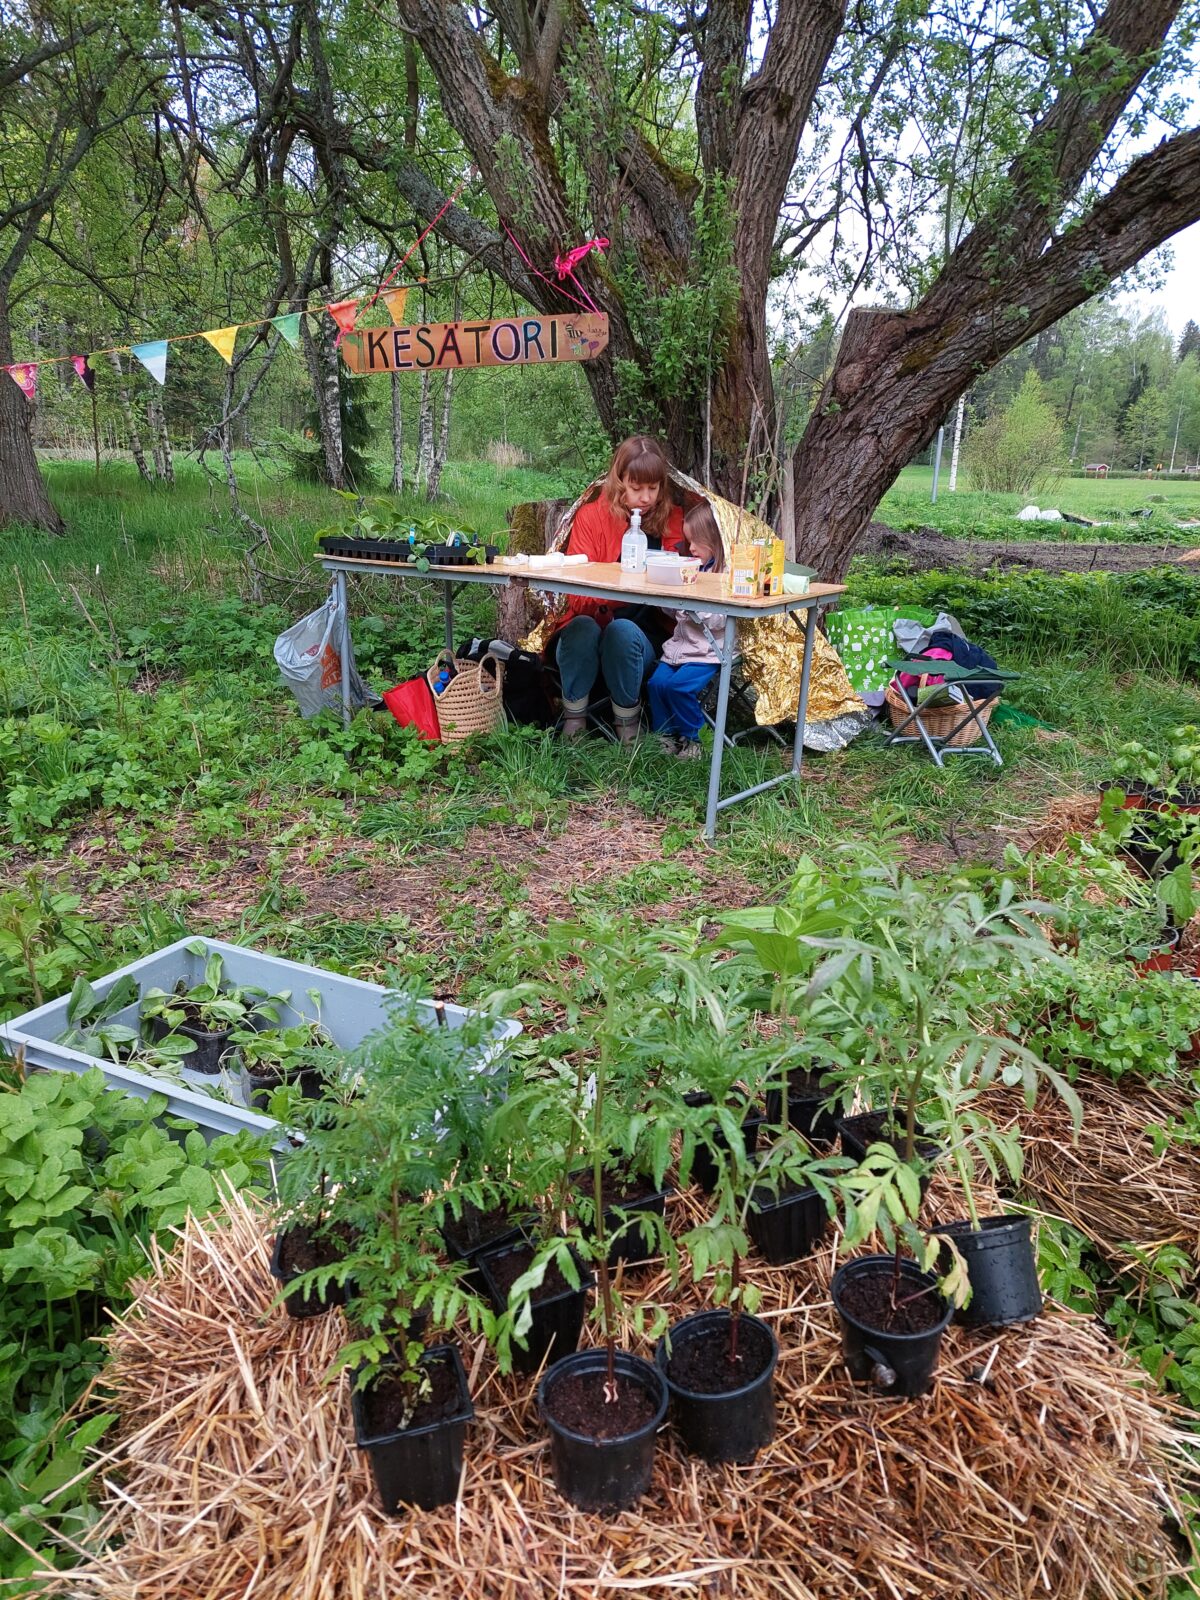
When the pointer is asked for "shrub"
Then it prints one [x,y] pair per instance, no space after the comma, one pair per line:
[1020,449]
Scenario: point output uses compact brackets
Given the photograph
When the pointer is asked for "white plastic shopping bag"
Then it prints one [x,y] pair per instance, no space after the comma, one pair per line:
[309,656]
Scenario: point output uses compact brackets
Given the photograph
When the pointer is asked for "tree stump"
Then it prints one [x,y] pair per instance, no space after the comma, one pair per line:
[532,527]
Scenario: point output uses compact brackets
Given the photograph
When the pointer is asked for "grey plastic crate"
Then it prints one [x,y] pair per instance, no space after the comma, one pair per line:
[349,1008]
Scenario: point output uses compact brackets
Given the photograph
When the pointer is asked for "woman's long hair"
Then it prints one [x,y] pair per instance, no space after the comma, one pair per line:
[641,460]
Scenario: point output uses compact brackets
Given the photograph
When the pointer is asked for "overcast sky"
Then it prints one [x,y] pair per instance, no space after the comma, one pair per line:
[1180,295]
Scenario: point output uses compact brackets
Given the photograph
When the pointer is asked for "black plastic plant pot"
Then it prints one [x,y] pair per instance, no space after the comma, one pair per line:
[258,1087]
[859,1133]
[602,1474]
[210,1046]
[302,1302]
[900,1364]
[1002,1268]
[461,1245]
[1137,794]
[1156,860]
[557,1319]
[806,1113]
[731,1424]
[366,549]
[704,1164]
[630,1245]
[419,1465]
[786,1228]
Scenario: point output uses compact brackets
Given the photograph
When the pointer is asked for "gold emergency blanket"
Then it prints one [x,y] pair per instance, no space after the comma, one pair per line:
[772,647]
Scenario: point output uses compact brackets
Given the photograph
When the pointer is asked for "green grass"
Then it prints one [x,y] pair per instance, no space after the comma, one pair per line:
[970,514]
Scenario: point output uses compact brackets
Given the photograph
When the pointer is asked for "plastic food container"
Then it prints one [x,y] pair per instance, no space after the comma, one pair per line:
[668,568]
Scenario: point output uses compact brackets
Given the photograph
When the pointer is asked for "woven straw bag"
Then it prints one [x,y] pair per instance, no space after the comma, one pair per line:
[939,721]
[472,702]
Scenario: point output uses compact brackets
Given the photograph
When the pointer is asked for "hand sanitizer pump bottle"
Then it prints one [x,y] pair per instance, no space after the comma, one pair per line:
[633,545]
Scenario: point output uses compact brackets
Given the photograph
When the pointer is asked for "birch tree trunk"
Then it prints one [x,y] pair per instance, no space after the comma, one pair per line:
[954,454]
[136,448]
[397,438]
[443,439]
[425,432]
[321,359]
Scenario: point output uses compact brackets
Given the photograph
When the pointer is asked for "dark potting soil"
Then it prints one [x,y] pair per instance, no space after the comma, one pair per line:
[301,1252]
[506,1269]
[868,1298]
[704,1365]
[386,1403]
[474,1230]
[876,1127]
[803,1084]
[578,1403]
[620,1188]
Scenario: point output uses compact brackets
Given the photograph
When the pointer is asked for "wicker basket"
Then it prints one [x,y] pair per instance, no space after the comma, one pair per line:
[940,721]
[472,702]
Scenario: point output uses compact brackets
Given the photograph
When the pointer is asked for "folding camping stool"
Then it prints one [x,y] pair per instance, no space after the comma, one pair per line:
[949,735]
[739,696]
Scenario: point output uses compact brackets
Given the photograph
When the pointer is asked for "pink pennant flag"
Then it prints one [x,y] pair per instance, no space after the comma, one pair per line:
[24,375]
[84,373]
[345,314]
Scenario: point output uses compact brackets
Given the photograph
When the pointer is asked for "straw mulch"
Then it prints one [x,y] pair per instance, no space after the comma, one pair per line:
[1109,1181]
[1039,1466]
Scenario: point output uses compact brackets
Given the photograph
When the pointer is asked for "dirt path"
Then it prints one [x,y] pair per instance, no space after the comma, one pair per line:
[929,549]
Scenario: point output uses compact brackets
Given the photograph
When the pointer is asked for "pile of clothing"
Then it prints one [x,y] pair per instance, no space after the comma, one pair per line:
[943,640]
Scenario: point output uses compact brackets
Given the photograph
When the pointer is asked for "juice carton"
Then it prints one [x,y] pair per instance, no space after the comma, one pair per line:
[773,568]
[745,570]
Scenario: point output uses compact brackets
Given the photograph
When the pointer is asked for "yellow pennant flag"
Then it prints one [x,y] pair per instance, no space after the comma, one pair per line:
[223,341]
[394,300]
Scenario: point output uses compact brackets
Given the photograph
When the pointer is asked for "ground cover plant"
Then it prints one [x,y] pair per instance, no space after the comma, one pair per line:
[160,783]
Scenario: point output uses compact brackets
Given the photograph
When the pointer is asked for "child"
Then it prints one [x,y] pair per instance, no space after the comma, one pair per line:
[688,659]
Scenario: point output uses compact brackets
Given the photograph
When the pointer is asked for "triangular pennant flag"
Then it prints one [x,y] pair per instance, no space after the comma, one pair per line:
[24,375]
[84,373]
[223,341]
[394,300]
[345,314]
[153,357]
[289,326]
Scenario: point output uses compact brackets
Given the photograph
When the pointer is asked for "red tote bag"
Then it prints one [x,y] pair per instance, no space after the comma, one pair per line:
[412,706]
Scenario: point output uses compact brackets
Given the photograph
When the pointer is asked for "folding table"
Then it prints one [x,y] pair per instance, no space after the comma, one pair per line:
[606,581]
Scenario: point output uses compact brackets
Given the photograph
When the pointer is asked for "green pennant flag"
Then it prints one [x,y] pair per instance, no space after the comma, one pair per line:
[289,326]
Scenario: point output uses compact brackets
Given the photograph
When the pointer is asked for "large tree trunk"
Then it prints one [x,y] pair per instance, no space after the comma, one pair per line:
[23,496]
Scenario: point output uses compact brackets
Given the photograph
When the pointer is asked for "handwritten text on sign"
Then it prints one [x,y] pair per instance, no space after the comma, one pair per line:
[476,344]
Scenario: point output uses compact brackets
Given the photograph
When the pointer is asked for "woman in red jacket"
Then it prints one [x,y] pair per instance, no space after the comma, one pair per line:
[598,636]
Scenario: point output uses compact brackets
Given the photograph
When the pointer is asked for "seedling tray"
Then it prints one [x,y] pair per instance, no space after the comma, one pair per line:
[349,1009]
[398,550]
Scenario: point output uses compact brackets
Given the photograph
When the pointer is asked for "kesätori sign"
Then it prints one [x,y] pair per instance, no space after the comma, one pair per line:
[504,343]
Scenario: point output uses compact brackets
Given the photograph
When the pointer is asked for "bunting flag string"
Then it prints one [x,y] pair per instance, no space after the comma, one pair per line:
[345,314]
[24,374]
[288,327]
[395,301]
[153,357]
[223,341]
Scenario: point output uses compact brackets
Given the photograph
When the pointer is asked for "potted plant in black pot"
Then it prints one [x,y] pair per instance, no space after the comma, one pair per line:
[385,1145]
[603,1406]
[909,988]
[207,1013]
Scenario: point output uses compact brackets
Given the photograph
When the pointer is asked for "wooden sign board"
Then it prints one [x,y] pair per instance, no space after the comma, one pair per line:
[443,346]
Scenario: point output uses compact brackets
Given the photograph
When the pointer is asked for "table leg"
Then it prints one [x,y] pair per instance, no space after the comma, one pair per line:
[728,651]
[449,587]
[810,631]
[340,583]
